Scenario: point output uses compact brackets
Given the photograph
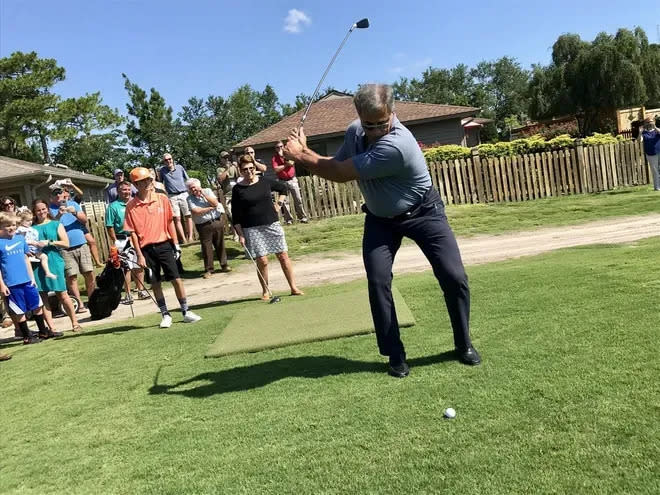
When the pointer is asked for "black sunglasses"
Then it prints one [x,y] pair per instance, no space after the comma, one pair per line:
[9,203]
[376,126]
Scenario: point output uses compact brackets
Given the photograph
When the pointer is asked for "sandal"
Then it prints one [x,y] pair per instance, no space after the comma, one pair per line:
[77,328]
[51,334]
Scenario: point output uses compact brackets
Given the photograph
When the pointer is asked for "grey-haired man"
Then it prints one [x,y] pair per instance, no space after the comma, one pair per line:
[400,201]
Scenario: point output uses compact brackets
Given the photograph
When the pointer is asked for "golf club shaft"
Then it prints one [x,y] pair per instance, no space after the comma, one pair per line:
[318,86]
[259,273]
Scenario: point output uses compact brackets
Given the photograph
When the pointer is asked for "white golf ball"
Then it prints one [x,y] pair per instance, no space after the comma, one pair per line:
[450,413]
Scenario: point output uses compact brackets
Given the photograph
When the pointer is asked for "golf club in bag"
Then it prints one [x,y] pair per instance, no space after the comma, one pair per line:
[273,299]
[361,24]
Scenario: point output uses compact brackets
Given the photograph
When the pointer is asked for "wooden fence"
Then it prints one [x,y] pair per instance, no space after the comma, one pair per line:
[578,170]
[582,169]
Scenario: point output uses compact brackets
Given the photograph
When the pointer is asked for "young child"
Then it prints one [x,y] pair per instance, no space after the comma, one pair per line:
[32,238]
[17,284]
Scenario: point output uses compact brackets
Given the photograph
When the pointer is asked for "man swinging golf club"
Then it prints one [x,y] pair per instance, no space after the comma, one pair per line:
[150,221]
[385,159]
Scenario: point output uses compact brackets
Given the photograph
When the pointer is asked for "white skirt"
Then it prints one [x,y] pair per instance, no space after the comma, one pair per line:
[263,240]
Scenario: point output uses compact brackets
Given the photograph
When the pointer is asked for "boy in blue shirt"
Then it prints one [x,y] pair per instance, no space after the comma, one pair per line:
[17,283]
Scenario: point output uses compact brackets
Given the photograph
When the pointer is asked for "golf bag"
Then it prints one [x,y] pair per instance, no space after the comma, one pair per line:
[107,295]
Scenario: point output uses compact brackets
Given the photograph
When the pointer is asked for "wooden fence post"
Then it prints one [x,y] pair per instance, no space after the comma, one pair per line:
[579,152]
[476,160]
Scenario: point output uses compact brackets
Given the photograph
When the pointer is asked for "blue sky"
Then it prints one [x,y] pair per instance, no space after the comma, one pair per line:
[201,47]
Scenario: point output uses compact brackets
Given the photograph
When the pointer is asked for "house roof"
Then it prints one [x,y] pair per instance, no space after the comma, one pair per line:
[330,117]
[11,169]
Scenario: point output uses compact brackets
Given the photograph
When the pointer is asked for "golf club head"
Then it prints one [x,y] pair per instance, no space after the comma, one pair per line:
[362,23]
[274,299]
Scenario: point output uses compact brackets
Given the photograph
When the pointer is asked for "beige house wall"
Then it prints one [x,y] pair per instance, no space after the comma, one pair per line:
[626,115]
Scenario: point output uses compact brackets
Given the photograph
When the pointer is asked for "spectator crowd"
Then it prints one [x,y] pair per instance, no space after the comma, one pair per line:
[45,248]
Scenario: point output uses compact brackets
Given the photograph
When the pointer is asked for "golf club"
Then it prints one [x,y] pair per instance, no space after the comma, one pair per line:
[273,299]
[361,24]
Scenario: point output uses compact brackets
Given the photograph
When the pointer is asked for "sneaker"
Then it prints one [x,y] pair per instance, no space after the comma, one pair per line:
[207,275]
[142,294]
[166,322]
[127,300]
[225,269]
[191,317]
[304,220]
[289,222]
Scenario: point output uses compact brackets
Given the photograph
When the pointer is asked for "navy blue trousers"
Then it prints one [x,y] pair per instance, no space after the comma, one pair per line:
[426,225]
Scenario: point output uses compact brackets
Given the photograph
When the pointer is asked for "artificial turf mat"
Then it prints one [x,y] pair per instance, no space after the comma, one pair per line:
[302,319]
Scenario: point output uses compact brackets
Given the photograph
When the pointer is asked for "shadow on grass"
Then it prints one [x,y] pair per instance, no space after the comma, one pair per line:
[262,374]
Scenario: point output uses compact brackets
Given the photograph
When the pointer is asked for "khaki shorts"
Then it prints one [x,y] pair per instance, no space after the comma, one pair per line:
[179,204]
[77,260]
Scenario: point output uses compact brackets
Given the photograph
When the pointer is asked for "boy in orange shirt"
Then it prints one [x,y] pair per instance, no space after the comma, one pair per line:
[150,221]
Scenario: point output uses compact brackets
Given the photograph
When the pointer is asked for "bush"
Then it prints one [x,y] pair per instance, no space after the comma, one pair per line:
[446,152]
[533,144]
[597,139]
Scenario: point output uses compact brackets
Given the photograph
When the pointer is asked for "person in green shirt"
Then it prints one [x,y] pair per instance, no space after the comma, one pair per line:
[114,224]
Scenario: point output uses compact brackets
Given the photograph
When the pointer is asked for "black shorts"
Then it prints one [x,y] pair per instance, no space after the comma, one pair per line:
[159,256]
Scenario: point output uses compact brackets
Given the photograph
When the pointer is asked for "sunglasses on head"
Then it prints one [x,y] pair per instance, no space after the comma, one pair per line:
[57,191]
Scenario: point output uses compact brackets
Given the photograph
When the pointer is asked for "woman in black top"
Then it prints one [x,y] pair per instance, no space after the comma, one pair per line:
[256,222]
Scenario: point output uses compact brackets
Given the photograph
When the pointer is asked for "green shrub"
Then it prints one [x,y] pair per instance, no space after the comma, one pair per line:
[561,141]
[533,144]
[597,139]
[446,152]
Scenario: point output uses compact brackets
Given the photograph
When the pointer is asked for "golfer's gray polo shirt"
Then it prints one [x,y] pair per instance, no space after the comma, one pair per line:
[393,171]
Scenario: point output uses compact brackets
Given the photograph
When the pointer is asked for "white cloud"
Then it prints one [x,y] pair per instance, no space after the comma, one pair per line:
[295,21]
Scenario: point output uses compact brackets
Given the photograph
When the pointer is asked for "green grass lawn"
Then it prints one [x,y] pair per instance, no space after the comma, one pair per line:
[567,399]
[342,234]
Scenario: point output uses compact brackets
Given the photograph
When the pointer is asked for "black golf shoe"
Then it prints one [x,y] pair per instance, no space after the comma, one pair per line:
[469,356]
[398,368]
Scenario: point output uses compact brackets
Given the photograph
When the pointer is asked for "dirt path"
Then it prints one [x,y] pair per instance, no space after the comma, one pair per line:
[320,269]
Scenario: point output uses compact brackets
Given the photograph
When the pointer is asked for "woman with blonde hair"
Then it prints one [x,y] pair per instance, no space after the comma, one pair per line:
[255,220]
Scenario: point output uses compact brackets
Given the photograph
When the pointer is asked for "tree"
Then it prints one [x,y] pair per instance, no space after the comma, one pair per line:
[591,80]
[502,91]
[499,88]
[151,131]
[204,128]
[98,154]
[453,86]
[90,139]
[27,106]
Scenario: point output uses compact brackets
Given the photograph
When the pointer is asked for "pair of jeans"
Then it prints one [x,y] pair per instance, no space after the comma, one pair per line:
[429,228]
